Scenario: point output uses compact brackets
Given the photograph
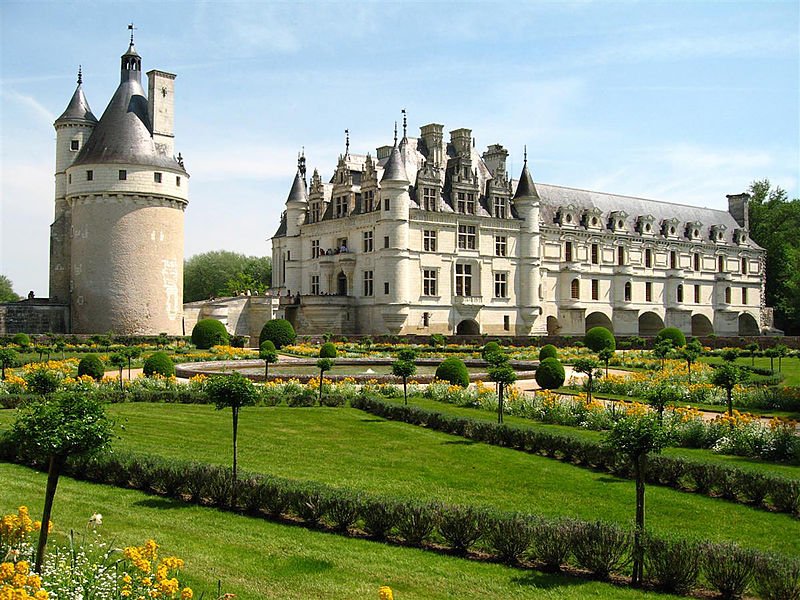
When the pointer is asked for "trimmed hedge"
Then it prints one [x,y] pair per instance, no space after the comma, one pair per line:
[672,334]
[453,370]
[550,375]
[599,338]
[159,363]
[327,350]
[21,339]
[548,351]
[92,366]
[209,332]
[279,331]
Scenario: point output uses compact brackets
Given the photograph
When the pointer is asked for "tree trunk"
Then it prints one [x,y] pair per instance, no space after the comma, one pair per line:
[320,386]
[730,401]
[500,403]
[405,393]
[53,472]
[266,370]
[589,388]
[638,554]
[235,411]
[690,371]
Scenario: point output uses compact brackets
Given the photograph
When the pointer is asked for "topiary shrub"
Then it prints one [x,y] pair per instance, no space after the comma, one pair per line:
[548,351]
[599,338]
[550,374]
[453,370]
[159,363]
[490,348]
[92,366]
[21,339]
[279,331]
[327,350]
[673,334]
[209,332]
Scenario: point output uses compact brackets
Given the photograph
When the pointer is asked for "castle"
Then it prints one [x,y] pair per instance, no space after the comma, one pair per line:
[116,242]
[430,236]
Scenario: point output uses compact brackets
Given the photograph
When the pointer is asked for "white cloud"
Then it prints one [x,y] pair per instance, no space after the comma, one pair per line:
[32,105]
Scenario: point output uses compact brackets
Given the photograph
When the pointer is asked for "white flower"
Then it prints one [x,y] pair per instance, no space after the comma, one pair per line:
[95,520]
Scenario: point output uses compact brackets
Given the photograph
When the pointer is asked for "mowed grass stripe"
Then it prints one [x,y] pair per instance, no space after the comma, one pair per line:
[345,447]
[257,559]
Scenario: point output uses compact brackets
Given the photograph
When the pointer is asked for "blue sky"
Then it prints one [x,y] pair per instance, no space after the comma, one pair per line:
[679,101]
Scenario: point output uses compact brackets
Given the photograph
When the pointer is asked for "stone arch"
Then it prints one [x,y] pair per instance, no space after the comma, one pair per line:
[701,326]
[341,284]
[468,327]
[650,324]
[748,325]
[553,326]
[598,319]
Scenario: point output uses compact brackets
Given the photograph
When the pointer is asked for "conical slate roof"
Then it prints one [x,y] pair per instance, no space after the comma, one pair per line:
[78,108]
[525,187]
[394,169]
[298,192]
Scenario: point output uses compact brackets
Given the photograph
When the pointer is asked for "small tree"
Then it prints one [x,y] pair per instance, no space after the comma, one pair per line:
[404,369]
[8,358]
[690,353]
[92,366]
[454,370]
[64,425]
[503,375]
[550,374]
[674,334]
[43,382]
[131,353]
[636,437]
[662,350]
[279,331]
[327,350]
[726,376]
[772,354]
[730,355]
[598,338]
[587,366]
[781,350]
[119,360]
[233,391]
[661,395]
[323,364]
[269,355]
[606,354]
[59,345]
[490,348]
[752,348]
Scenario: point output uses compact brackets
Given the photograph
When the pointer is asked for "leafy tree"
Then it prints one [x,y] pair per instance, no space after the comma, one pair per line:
[489,348]
[404,369]
[503,375]
[269,355]
[606,354]
[323,364]
[7,293]
[726,376]
[233,391]
[781,350]
[92,366]
[64,425]
[690,353]
[327,350]
[454,370]
[587,366]
[59,345]
[119,360]
[220,272]
[730,355]
[636,437]
[662,349]
[409,354]
[550,374]
[279,331]
[158,363]
[752,348]
[8,358]
[598,338]
[43,382]
[131,353]
[660,395]
[207,333]
[672,333]
[772,354]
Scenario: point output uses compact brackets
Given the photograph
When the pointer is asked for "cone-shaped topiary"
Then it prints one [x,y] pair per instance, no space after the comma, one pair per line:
[673,334]
[453,370]
[550,374]
[327,350]
[92,366]
[548,351]
[160,363]
[598,338]
[279,331]
[209,332]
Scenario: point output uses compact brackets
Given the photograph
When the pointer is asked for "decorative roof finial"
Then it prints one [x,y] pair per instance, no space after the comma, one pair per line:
[132,28]
[347,142]
[395,133]
[80,75]
[301,163]
[526,153]
[405,122]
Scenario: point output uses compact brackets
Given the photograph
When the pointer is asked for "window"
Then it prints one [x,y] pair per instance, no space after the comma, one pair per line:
[369,201]
[501,285]
[744,266]
[500,244]
[679,294]
[595,289]
[426,319]
[696,260]
[575,289]
[69,178]
[744,295]
[628,291]
[315,285]
[429,281]
[386,241]
[157,177]
[595,254]
[465,203]
[499,208]
[648,258]
[177,182]
[315,210]
[429,240]
[648,291]
[314,248]
[123,175]
[368,283]
[727,295]
[429,198]
[466,237]
[367,241]
[506,323]
[673,259]
[90,175]
[385,287]
[386,204]
[721,264]
[621,255]
[340,207]
[74,145]
[697,294]
[568,251]
[463,280]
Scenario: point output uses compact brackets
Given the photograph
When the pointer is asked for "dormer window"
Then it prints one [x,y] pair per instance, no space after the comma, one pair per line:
[669,228]
[592,218]
[740,236]
[617,220]
[717,233]
[568,215]
[499,208]
[429,198]
[693,229]
[644,224]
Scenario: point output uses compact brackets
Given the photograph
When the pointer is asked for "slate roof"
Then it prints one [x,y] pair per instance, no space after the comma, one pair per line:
[78,109]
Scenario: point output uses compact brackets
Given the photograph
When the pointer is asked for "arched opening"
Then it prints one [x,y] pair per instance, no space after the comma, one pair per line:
[598,319]
[553,326]
[748,325]
[701,326]
[650,324]
[468,327]
[341,284]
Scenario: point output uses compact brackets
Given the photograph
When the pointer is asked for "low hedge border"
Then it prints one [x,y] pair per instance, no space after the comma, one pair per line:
[739,485]
[596,548]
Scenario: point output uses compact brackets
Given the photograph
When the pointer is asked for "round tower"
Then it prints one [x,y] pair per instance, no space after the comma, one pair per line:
[127,194]
[527,203]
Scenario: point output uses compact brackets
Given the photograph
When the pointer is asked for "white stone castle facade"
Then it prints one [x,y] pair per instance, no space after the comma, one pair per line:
[430,236]
[116,243]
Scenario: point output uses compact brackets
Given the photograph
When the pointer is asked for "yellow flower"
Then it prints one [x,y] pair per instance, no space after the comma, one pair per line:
[385,593]
[187,594]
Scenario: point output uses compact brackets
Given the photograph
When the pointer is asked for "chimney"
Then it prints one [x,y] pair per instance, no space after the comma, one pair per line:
[738,206]
[161,110]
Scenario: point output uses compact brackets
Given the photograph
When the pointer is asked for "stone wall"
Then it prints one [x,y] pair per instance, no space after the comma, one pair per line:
[33,316]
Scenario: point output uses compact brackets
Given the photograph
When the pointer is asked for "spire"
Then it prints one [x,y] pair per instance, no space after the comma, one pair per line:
[346,143]
[131,62]
[301,163]
[80,75]
[405,124]
[525,187]
[298,192]
[78,107]
[394,169]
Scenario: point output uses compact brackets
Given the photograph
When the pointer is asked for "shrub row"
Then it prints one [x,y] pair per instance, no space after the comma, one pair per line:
[748,487]
[602,549]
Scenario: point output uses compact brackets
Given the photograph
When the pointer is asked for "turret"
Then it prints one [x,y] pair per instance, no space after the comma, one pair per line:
[527,203]
[297,202]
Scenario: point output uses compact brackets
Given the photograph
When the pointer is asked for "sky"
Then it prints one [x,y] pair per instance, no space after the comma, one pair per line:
[678,101]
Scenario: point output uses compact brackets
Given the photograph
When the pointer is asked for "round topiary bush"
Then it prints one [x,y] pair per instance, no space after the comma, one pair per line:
[209,332]
[159,363]
[598,338]
[453,370]
[550,374]
[548,351]
[673,334]
[489,348]
[92,366]
[21,339]
[327,350]
[279,331]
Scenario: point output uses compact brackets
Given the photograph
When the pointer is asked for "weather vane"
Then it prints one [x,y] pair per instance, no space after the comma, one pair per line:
[132,28]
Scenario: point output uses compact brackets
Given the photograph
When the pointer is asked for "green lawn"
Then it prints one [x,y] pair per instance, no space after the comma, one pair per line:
[347,447]
[790,367]
[256,559]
